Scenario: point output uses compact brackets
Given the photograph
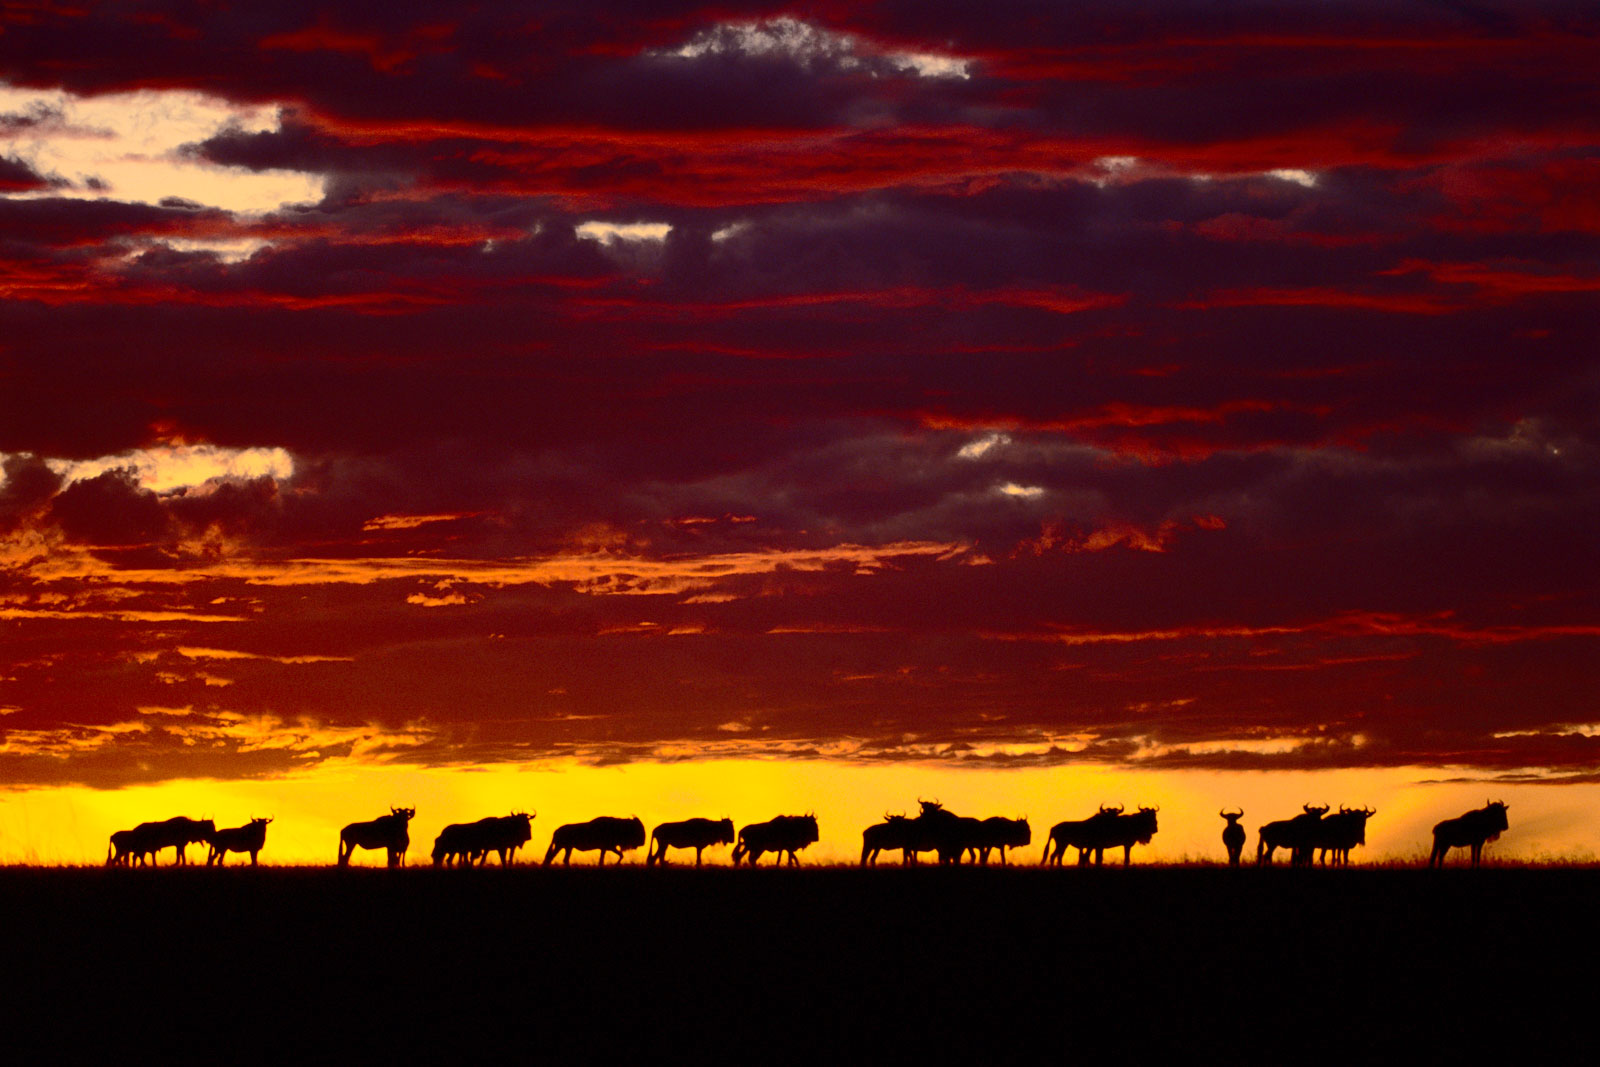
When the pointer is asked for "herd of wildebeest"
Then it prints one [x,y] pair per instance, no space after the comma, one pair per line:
[1316,834]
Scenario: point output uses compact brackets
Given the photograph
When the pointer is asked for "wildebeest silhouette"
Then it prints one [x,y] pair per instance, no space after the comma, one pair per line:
[1337,834]
[120,852]
[1471,830]
[998,832]
[1121,831]
[388,832]
[937,829]
[251,838]
[698,834]
[895,832]
[603,834]
[1233,836]
[149,838]
[784,835]
[1297,835]
[472,843]
[933,830]
[1080,834]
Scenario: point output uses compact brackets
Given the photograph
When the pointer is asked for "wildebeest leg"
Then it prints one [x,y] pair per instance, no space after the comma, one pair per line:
[1127,854]
[698,849]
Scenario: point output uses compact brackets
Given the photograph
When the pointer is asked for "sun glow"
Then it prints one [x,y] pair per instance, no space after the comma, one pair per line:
[70,825]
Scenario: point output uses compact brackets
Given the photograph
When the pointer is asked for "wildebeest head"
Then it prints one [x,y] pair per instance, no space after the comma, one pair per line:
[1232,817]
[522,823]
[806,827]
[403,814]
[725,831]
[1495,817]
[1147,823]
[1310,809]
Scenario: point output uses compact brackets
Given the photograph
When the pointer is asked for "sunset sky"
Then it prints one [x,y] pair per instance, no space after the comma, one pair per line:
[725,409]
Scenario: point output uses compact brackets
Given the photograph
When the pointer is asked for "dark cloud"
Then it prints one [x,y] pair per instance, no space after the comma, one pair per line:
[17,176]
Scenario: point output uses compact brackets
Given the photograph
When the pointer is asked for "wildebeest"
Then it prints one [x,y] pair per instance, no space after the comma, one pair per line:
[388,832]
[471,843]
[1337,834]
[1233,836]
[1296,835]
[1471,830]
[998,832]
[784,835]
[936,829]
[120,852]
[933,830]
[1080,834]
[605,833]
[698,834]
[895,832]
[958,837]
[251,838]
[1121,831]
[149,838]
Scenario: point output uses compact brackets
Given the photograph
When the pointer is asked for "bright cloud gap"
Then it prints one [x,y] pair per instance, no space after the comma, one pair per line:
[132,147]
[611,232]
[808,45]
[168,467]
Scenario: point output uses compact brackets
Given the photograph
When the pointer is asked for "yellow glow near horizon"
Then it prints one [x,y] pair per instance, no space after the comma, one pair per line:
[70,826]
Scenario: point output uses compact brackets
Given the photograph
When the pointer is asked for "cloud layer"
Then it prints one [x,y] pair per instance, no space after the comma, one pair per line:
[882,380]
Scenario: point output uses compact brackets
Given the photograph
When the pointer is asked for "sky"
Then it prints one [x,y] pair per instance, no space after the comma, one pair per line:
[703,409]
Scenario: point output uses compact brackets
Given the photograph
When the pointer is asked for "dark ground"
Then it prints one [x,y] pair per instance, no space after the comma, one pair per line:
[1206,963]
